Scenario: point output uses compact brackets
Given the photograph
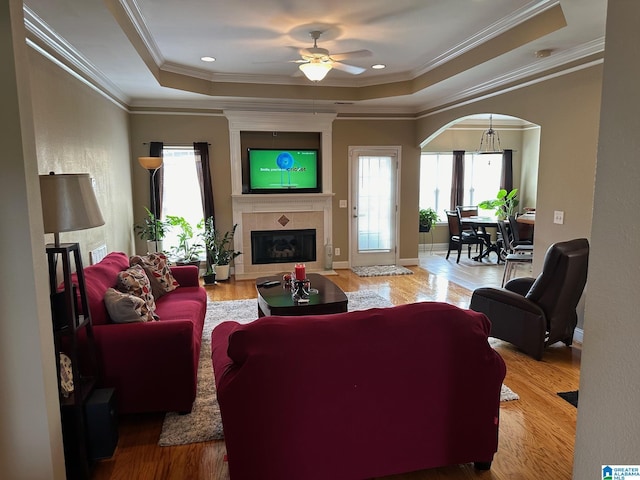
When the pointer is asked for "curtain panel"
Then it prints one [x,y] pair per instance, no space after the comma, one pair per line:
[457,179]
[203,167]
[506,181]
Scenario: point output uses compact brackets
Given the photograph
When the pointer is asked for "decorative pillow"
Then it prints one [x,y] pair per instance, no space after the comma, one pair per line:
[134,281]
[125,308]
[157,268]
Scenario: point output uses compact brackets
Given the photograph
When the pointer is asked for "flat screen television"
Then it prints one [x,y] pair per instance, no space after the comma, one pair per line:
[284,171]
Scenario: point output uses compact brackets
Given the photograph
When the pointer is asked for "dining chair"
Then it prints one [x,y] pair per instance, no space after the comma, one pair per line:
[532,313]
[458,237]
[515,233]
[513,256]
[466,211]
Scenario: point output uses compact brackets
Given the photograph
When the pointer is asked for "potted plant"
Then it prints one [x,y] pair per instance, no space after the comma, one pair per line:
[153,230]
[224,252]
[504,204]
[187,252]
[208,236]
[428,217]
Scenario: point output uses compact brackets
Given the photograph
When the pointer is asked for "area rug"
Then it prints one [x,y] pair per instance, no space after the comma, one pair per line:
[381,271]
[571,397]
[506,394]
[203,424]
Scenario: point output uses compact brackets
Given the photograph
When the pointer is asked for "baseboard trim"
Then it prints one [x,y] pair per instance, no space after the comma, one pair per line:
[578,335]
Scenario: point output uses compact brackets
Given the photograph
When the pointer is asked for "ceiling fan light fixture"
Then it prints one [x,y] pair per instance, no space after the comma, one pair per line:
[315,70]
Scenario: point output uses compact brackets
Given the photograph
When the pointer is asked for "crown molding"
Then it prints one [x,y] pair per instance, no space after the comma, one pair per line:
[136,18]
[48,43]
[537,69]
[501,26]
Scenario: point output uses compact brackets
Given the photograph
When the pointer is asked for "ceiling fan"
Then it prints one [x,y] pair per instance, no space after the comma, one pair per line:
[316,62]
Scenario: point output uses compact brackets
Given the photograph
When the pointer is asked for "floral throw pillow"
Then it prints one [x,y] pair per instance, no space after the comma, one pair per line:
[157,268]
[125,308]
[134,281]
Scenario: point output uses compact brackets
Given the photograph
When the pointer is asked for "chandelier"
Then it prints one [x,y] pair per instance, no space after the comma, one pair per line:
[490,140]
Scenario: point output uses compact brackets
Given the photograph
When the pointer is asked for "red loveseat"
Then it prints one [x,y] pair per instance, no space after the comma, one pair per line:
[357,395]
[153,366]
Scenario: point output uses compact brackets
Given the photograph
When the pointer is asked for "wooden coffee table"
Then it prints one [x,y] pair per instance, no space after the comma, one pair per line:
[278,301]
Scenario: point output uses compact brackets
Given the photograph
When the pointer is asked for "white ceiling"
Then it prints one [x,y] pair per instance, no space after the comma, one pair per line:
[127,48]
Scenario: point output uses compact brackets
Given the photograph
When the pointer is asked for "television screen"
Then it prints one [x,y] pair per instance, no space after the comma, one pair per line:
[284,171]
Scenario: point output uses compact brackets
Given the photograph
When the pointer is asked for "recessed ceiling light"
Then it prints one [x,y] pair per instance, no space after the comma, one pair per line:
[543,53]
[207,59]
[378,66]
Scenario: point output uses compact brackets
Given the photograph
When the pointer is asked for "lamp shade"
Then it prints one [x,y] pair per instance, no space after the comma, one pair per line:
[150,163]
[68,203]
[315,70]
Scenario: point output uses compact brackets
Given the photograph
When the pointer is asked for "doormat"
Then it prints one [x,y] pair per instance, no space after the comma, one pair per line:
[571,397]
[381,271]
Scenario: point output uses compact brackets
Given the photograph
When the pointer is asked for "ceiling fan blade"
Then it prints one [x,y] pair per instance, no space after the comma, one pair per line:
[300,60]
[354,54]
[352,69]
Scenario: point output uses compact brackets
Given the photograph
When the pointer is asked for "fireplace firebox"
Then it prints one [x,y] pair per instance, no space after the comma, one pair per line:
[278,246]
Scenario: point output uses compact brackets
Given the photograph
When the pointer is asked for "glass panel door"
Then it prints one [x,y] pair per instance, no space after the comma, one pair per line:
[374,208]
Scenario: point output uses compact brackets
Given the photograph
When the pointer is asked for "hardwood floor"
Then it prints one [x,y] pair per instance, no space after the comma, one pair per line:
[536,432]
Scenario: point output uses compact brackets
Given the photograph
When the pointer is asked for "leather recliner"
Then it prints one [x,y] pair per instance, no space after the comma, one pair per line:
[532,313]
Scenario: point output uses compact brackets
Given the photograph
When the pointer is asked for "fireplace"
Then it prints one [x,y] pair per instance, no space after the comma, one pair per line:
[283,246]
[279,212]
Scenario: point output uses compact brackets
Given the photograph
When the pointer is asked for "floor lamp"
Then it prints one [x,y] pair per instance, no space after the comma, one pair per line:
[68,204]
[152,165]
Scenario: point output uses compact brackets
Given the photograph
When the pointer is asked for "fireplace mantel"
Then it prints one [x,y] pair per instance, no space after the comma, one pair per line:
[279,211]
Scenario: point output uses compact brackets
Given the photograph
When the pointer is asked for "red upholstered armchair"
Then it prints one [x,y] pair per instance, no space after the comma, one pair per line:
[357,395]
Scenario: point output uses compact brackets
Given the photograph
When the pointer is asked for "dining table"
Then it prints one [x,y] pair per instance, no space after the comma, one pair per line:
[481,223]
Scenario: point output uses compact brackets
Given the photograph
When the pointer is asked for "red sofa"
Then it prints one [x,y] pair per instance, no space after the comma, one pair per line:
[153,366]
[357,395]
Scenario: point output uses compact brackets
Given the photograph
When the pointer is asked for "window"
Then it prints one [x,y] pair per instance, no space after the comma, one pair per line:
[481,177]
[435,181]
[181,191]
[482,174]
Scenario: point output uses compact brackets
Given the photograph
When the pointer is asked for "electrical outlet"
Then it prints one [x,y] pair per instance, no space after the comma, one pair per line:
[558,217]
[337,251]
[343,204]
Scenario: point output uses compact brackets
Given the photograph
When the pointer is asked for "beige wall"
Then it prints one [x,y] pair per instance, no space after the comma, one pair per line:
[566,108]
[182,130]
[608,427]
[529,167]
[348,133]
[30,431]
[80,131]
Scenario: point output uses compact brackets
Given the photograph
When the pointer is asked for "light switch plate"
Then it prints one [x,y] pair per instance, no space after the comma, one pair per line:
[343,204]
[558,217]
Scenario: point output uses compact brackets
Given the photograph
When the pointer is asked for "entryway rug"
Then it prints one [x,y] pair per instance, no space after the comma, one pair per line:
[203,424]
[381,271]
[571,397]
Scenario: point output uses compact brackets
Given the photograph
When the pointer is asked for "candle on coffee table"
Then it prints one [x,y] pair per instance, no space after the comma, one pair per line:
[300,271]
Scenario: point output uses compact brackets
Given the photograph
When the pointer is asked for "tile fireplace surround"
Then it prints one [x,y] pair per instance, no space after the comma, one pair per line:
[290,211]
